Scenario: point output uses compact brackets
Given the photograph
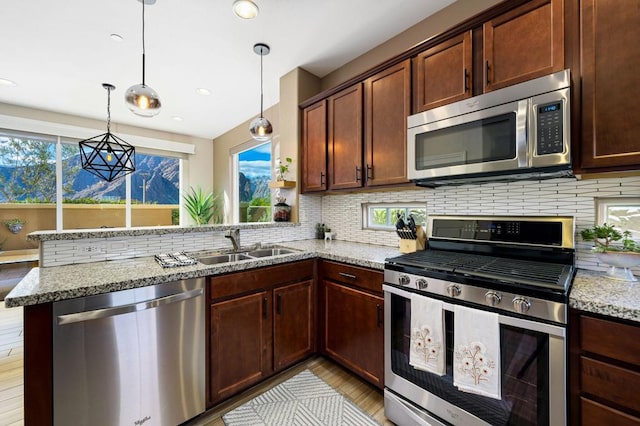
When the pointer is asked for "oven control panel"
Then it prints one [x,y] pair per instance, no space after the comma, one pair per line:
[498,301]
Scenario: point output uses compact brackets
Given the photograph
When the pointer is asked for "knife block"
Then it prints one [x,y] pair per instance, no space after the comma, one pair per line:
[409,246]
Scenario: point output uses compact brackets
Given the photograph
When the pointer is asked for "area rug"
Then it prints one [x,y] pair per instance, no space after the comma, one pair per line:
[302,400]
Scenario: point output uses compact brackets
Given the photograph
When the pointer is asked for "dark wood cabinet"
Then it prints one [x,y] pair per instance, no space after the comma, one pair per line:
[240,353]
[604,370]
[352,319]
[314,147]
[444,73]
[344,146]
[387,103]
[260,322]
[293,332]
[523,43]
[610,56]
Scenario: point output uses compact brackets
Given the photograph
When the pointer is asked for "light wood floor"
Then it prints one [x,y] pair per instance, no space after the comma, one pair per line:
[368,398]
[11,353]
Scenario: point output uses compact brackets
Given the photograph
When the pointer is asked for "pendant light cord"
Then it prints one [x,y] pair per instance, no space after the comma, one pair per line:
[261,79]
[108,110]
[143,49]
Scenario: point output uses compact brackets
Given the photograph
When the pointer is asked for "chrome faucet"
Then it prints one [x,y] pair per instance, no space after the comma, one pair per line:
[234,236]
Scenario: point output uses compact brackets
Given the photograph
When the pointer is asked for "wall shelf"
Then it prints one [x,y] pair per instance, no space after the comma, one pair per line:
[282,184]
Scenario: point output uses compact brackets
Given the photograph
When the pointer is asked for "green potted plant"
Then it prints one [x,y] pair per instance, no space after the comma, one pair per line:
[200,206]
[15,225]
[615,248]
[283,168]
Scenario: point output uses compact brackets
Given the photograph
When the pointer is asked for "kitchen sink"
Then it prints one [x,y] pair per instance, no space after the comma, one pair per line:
[266,252]
[223,258]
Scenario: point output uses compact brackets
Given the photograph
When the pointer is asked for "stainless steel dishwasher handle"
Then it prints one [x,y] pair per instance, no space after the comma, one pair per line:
[125,309]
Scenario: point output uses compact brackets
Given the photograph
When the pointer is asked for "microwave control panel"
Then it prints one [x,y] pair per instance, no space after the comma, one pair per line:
[550,130]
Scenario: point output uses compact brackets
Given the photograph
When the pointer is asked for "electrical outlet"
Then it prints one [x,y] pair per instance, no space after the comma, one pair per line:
[91,249]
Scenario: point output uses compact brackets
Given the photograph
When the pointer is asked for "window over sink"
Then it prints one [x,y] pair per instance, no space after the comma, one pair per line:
[251,171]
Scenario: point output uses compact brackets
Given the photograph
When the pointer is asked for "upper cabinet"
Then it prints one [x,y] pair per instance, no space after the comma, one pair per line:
[610,56]
[345,138]
[365,140]
[387,101]
[314,147]
[524,43]
[443,73]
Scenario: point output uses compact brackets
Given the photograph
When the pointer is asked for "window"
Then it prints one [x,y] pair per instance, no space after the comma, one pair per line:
[624,213]
[384,216]
[252,173]
[42,182]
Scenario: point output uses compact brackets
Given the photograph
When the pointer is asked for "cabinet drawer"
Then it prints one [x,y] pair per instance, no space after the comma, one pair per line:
[616,384]
[610,339]
[595,414]
[237,283]
[364,278]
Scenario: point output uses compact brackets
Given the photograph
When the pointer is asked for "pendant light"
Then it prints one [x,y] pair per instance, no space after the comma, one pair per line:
[106,155]
[141,99]
[260,127]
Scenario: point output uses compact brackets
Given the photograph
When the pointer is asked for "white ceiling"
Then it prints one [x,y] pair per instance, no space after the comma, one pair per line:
[60,52]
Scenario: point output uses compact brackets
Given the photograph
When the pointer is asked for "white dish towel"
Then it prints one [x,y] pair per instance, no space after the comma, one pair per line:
[476,356]
[427,330]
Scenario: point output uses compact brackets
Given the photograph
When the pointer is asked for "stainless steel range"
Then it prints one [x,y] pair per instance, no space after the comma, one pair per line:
[516,269]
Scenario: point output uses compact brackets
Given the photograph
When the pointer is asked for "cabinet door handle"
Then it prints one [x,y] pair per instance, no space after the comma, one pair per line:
[486,72]
[358,173]
[264,308]
[322,182]
[369,172]
[465,80]
[379,313]
[278,304]
[350,276]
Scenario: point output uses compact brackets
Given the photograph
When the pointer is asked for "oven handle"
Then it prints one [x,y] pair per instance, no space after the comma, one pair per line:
[541,327]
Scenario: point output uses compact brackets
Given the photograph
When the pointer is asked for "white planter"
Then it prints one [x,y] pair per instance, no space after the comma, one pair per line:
[620,263]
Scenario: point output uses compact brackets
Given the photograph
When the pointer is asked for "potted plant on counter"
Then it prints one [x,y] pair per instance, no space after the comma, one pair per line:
[615,248]
[15,225]
[200,206]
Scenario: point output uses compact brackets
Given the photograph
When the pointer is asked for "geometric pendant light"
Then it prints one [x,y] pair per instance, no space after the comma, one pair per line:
[260,128]
[106,155]
[141,99]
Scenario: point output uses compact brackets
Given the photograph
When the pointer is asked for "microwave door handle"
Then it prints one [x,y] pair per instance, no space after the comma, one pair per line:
[521,133]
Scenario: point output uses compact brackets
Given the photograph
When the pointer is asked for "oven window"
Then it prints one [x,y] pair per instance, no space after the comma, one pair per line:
[489,139]
[524,366]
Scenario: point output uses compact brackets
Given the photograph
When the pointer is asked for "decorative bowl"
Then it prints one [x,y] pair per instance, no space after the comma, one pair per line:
[620,263]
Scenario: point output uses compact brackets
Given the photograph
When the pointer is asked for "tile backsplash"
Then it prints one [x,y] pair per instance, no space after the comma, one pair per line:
[555,197]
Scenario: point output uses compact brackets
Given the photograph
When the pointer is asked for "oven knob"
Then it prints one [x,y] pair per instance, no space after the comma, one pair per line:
[453,290]
[421,284]
[521,304]
[492,298]
[404,280]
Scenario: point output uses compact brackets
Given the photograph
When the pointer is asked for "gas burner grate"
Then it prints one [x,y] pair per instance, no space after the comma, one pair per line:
[541,274]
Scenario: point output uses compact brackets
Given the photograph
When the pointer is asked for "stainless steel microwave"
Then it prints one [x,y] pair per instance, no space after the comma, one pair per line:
[519,132]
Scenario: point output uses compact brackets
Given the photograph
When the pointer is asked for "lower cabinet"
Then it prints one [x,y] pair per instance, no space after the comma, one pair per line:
[604,371]
[352,319]
[261,321]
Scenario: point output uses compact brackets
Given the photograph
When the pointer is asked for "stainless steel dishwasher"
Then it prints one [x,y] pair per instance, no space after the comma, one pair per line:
[130,357]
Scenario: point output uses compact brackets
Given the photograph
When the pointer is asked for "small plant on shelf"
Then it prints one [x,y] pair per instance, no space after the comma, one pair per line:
[15,225]
[283,168]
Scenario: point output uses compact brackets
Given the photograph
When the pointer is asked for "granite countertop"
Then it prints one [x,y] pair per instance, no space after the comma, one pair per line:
[19,256]
[593,291]
[42,285]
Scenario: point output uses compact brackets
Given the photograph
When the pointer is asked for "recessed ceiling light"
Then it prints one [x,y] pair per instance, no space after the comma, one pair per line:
[176,118]
[202,91]
[245,9]
[116,37]
[7,83]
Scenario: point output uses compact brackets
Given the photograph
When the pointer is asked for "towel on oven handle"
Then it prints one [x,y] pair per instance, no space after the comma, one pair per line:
[476,357]
[427,330]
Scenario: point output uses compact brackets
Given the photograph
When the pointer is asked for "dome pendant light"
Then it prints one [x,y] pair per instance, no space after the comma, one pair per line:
[106,155]
[141,99]
[260,127]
